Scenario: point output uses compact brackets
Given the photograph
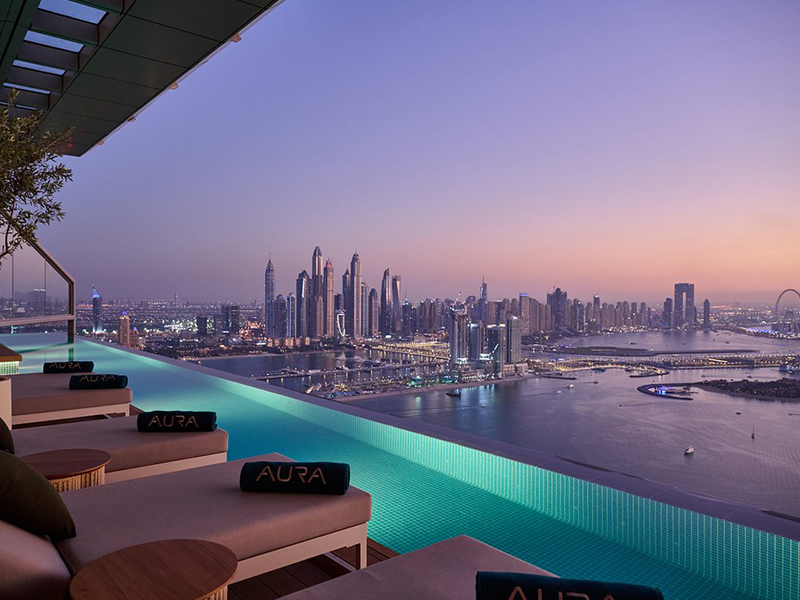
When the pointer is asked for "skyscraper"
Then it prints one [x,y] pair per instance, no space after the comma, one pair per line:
[496,346]
[290,326]
[667,315]
[684,312]
[302,300]
[269,301]
[316,306]
[514,340]
[124,336]
[329,285]
[397,308]
[525,313]
[386,304]
[230,319]
[345,299]
[477,340]
[706,314]
[459,334]
[97,312]
[364,309]
[281,318]
[374,313]
[202,326]
[353,319]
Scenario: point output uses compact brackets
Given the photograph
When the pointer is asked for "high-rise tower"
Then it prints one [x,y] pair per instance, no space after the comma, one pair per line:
[397,306]
[97,312]
[269,302]
[354,315]
[329,285]
[302,299]
[316,306]
[386,304]
[345,300]
[684,312]
[124,338]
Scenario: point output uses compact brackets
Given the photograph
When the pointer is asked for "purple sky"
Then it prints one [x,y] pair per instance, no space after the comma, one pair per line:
[611,147]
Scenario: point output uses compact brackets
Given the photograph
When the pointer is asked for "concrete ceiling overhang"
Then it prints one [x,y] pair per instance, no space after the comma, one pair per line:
[95,64]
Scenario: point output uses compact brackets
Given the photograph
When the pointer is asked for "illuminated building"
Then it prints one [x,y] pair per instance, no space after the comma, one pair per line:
[345,296]
[477,340]
[353,304]
[513,340]
[285,316]
[269,300]
[124,332]
[374,313]
[496,346]
[386,304]
[230,319]
[97,312]
[302,300]
[329,306]
[459,334]
[316,305]
[397,317]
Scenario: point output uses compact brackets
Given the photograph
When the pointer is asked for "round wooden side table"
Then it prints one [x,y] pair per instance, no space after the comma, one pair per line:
[71,469]
[167,570]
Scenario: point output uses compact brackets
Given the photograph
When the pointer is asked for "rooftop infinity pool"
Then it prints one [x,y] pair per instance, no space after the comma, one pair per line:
[425,489]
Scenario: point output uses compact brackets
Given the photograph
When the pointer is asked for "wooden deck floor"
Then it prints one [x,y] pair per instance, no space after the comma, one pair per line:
[293,578]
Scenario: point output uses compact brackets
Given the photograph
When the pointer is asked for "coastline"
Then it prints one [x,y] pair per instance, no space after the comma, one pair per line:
[434,388]
[711,388]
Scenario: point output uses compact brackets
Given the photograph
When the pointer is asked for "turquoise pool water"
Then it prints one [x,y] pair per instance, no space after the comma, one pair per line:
[425,490]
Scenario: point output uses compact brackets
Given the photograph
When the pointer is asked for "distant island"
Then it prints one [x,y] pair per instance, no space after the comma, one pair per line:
[642,352]
[785,390]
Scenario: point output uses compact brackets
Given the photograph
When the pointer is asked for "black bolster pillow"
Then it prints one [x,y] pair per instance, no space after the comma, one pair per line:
[97,382]
[75,366]
[496,586]
[176,420]
[295,477]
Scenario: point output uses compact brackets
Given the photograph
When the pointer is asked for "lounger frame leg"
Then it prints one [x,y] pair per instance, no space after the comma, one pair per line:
[361,562]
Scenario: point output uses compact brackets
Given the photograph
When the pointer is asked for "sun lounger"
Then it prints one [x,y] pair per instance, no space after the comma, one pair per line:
[442,571]
[40,397]
[133,454]
[265,531]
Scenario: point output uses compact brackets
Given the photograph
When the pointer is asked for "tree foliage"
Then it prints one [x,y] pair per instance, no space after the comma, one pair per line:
[30,176]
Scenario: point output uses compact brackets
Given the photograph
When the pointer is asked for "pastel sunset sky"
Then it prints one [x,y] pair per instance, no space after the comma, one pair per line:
[604,147]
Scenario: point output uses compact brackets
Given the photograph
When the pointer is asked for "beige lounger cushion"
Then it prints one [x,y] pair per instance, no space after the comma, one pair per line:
[441,571]
[39,392]
[119,437]
[30,567]
[203,503]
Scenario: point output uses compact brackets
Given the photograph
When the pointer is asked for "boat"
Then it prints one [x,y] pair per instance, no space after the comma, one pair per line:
[558,391]
[753,435]
[453,394]
[738,412]
[689,450]
[596,381]
[570,386]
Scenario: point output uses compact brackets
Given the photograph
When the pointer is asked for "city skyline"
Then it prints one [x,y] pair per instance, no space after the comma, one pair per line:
[662,148]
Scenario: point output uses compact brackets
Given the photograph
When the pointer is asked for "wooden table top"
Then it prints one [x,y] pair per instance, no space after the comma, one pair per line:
[168,570]
[58,464]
